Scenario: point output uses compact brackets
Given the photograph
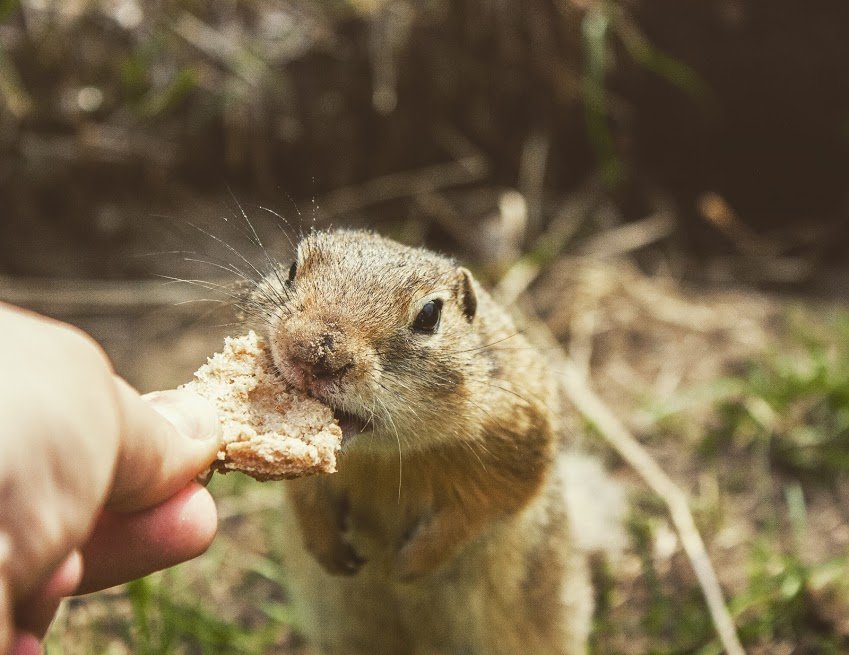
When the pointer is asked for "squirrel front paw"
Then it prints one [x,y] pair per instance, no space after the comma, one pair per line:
[431,542]
[336,556]
[421,552]
[323,518]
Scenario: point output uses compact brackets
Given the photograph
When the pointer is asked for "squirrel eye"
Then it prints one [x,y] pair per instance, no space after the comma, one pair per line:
[428,318]
[293,269]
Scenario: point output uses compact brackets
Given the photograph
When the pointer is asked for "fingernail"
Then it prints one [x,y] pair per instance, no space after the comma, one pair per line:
[192,415]
[26,644]
[66,578]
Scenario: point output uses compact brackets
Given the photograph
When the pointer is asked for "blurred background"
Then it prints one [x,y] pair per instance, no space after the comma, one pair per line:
[662,183]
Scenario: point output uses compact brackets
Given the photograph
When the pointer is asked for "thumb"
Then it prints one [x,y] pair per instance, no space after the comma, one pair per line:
[168,437]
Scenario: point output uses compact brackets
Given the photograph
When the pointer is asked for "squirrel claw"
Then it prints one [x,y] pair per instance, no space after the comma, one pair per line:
[341,560]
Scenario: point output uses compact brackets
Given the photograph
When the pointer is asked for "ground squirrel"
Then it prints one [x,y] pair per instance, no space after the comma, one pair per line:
[447,528]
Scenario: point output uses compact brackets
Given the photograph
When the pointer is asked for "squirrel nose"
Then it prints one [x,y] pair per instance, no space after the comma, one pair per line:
[325,368]
[321,357]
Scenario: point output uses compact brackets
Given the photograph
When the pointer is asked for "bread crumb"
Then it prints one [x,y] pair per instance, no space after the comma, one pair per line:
[270,431]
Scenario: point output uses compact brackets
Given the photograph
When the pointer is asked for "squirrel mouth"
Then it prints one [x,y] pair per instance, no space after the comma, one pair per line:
[351,424]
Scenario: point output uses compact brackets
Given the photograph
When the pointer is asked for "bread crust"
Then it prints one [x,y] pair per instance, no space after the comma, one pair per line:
[269,431]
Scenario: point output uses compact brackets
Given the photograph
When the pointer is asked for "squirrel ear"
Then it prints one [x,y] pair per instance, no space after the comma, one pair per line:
[467,296]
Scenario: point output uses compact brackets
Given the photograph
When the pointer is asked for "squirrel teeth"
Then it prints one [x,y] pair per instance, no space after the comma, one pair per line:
[351,424]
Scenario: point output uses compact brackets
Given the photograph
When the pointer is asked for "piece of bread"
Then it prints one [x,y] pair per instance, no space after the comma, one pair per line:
[270,431]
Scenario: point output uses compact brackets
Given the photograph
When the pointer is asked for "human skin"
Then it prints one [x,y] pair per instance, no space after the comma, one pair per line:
[95,480]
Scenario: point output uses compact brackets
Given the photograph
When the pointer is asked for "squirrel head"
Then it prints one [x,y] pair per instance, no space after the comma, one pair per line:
[383,333]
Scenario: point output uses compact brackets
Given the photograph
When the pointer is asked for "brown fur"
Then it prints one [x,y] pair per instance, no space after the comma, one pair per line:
[445,529]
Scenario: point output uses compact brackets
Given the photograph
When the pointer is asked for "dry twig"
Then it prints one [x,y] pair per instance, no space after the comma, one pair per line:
[84,295]
[593,409]
[403,185]
[626,238]
[564,226]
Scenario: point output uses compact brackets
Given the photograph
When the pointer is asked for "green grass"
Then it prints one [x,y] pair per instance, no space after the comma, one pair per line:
[782,602]
[772,435]
[793,403]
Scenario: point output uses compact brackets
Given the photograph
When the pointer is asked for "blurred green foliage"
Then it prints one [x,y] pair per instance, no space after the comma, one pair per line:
[7,7]
[794,402]
[781,602]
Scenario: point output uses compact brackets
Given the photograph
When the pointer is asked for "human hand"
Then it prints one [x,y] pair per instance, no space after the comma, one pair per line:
[94,479]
